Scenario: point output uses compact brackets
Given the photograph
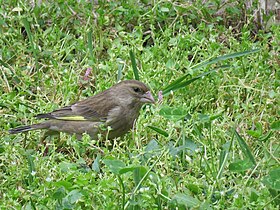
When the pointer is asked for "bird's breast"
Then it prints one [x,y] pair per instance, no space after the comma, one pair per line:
[121,120]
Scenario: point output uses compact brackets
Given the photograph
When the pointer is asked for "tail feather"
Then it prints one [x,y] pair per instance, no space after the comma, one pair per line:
[26,128]
[21,129]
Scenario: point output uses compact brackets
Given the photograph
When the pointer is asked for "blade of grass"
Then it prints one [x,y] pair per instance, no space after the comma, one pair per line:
[120,68]
[31,167]
[90,47]
[123,190]
[224,57]
[5,80]
[33,46]
[4,64]
[224,156]
[158,130]
[180,85]
[133,63]
[244,147]
[175,83]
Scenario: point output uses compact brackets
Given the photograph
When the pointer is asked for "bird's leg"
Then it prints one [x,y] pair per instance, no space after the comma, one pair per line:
[44,142]
[24,141]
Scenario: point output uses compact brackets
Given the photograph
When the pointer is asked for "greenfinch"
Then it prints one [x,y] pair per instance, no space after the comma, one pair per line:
[110,113]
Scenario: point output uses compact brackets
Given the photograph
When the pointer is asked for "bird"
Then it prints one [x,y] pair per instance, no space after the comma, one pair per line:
[109,114]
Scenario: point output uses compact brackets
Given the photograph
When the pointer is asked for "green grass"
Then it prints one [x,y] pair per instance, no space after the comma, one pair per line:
[213,143]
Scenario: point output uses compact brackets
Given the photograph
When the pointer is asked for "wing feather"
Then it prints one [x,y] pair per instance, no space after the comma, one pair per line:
[95,108]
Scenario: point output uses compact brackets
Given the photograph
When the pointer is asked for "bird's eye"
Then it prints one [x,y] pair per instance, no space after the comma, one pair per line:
[137,90]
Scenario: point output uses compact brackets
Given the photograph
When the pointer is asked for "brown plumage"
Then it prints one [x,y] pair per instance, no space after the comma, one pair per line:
[117,108]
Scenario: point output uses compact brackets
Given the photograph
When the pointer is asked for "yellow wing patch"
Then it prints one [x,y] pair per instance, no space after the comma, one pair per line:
[73,118]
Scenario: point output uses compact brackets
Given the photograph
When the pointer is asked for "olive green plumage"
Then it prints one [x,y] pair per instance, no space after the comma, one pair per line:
[117,107]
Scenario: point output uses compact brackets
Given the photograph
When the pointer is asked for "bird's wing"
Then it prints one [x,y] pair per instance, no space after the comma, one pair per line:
[95,108]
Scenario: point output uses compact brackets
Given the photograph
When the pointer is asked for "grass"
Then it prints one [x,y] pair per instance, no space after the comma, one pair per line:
[213,142]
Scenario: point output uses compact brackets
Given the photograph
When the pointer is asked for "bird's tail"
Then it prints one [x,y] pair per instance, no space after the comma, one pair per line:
[27,128]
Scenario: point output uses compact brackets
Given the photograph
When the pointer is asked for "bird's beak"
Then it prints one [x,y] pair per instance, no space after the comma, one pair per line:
[147,98]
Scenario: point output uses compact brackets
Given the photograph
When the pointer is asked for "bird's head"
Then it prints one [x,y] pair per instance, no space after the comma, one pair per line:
[133,92]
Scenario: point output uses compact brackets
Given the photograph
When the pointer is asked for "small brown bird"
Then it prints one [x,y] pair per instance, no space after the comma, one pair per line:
[110,113]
